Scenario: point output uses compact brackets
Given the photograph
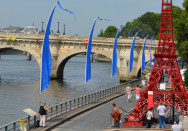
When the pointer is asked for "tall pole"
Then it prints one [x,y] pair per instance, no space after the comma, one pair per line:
[58,27]
[64,30]
[42,27]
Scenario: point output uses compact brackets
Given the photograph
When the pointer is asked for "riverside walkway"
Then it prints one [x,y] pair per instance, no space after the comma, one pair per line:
[91,117]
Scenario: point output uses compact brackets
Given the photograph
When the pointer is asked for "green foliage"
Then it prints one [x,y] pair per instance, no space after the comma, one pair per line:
[180,26]
[181,33]
[185,5]
[183,50]
[149,24]
[133,27]
[101,33]
[110,31]
[186,77]
[152,20]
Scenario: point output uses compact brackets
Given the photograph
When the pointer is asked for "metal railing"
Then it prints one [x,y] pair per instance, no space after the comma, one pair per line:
[67,106]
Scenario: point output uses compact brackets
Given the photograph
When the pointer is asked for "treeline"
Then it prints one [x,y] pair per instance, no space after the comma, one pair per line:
[149,24]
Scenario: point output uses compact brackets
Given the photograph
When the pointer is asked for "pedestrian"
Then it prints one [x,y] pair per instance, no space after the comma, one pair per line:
[42,111]
[143,82]
[116,115]
[128,92]
[149,117]
[161,109]
[176,126]
[137,90]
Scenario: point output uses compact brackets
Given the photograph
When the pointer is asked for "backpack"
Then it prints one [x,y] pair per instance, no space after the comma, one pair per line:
[38,123]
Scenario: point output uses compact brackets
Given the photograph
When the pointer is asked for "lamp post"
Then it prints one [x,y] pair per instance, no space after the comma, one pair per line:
[58,27]
[64,30]
[42,27]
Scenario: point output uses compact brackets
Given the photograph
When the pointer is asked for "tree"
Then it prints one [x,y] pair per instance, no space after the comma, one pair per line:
[110,32]
[185,5]
[134,27]
[181,32]
[152,20]
[101,33]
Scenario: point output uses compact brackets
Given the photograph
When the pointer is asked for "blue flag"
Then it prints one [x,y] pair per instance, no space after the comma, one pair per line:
[141,34]
[114,55]
[150,52]
[66,9]
[155,51]
[127,30]
[88,54]
[143,55]
[46,61]
[132,53]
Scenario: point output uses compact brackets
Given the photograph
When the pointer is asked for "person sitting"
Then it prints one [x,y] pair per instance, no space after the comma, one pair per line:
[176,126]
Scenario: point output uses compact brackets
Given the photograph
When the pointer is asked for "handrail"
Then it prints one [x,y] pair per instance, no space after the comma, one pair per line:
[67,106]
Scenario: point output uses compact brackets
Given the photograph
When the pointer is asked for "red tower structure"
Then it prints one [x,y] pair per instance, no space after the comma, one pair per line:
[165,62]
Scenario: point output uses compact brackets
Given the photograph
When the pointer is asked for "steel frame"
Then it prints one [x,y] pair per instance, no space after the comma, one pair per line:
[165,60]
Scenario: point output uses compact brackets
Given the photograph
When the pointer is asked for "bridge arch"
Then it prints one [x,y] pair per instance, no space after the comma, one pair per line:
[34,53]
[65,56]
[147,59]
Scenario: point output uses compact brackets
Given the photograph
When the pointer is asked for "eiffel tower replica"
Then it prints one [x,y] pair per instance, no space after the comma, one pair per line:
[165,62]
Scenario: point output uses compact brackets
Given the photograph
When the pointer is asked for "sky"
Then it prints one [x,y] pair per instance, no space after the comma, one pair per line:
[22,13]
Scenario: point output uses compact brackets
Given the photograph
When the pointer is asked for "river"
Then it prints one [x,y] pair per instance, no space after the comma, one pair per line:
[19,84]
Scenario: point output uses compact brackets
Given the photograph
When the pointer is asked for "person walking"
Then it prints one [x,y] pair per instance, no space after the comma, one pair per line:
[137,90]
[176,126]
[42,111]
[143,82]
[128,92]
[161,109]
[149,118]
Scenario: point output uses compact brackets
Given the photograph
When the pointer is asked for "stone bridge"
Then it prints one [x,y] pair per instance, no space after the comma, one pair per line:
[65,47]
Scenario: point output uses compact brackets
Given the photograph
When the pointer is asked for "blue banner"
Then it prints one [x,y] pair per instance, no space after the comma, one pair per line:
[155,51]
[46,61]
[88,54]
[114,55]
[66,9]
[132,53]
[143,55]
[141,34]
[127,30]
[150,52]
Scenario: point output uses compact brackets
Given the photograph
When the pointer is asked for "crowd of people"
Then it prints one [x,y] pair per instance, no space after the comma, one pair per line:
[161,109]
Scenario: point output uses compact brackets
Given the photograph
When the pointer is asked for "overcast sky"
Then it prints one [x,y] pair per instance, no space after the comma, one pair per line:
[22,13]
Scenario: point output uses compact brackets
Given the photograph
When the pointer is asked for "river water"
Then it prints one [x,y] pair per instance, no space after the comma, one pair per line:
[19,84]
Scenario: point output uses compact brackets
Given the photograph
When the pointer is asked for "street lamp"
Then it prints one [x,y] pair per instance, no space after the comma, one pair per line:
[42,27]
[64,30]
[58,27]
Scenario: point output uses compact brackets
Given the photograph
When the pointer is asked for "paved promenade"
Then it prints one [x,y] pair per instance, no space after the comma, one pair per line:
[97,119]
[104,114]
[94,116]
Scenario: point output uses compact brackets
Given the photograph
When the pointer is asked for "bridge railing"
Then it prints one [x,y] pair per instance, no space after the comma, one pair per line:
[67,106]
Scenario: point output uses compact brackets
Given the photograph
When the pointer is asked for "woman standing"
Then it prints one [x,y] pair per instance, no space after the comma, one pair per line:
[149,117]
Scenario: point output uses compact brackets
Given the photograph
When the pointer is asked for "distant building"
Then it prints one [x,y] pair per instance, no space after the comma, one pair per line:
[11,29]
[30,30]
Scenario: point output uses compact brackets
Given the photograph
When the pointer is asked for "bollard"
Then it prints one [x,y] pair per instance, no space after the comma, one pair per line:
[22,125]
